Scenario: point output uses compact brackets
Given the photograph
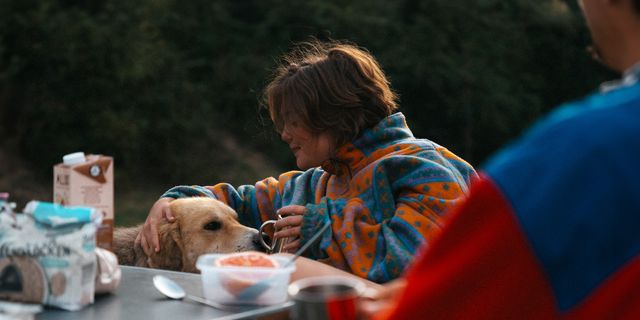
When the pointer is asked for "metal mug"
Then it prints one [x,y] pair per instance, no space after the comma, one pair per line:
[325,298]
[275,246]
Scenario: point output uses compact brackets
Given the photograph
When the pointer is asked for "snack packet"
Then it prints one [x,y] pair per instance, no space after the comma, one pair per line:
[47,255]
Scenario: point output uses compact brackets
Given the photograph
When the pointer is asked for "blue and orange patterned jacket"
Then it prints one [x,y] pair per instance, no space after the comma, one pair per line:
[386,194]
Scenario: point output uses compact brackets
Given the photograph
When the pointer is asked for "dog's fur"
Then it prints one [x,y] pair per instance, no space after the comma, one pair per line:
[203,225]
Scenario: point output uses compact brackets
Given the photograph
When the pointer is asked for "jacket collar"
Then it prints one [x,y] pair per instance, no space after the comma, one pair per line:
[353,156]
[629,78]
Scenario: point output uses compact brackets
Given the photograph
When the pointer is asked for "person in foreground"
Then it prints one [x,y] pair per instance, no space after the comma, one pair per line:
[550,230]
[384,191]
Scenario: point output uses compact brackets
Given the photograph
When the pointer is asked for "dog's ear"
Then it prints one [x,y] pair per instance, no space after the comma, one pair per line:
[170,255]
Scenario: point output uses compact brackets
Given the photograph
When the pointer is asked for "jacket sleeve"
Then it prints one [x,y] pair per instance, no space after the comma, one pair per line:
[376,234]
[259,202]
[481,267]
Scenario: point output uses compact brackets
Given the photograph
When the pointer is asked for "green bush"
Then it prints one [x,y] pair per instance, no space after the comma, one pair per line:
[163,86]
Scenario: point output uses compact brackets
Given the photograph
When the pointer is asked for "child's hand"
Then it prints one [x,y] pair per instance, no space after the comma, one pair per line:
[290,226]
[148,236]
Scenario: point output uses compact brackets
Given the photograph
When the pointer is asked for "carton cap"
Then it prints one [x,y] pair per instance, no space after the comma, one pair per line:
[73,158]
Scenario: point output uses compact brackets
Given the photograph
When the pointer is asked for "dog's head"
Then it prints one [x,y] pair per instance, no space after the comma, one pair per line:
[203,225]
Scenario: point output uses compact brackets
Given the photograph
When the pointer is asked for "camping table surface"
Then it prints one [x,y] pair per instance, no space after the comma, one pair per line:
[137,298]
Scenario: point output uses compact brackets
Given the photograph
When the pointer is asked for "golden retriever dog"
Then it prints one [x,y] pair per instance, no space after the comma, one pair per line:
[202,225]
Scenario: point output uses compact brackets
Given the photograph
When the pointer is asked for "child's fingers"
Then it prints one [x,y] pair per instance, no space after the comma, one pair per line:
[154,237]
[138,241]
[292,245]
[143,243]
[291,221]
[149,237]
[291,210]
[289,232]
[166,213]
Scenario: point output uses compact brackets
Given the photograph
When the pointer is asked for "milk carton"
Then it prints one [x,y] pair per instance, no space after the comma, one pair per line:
[87,181]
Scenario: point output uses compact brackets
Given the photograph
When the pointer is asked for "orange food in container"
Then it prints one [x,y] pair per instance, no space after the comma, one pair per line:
[227,277]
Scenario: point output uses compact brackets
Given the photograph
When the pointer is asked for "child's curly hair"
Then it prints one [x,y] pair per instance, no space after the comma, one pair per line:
[329,87]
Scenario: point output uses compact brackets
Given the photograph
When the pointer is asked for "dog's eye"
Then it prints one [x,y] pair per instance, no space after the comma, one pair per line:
[213,226]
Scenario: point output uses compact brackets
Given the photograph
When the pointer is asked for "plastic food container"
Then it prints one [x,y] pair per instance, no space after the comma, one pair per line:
[228,284]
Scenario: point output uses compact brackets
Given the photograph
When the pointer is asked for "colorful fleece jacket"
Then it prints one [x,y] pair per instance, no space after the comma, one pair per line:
[550,230]
[385,194]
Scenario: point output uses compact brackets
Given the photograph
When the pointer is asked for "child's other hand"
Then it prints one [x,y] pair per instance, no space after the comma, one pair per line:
[290,226]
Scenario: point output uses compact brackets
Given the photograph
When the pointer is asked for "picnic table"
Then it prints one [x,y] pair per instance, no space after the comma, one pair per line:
[137,298]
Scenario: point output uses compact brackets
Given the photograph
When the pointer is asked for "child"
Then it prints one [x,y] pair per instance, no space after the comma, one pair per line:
[384,192]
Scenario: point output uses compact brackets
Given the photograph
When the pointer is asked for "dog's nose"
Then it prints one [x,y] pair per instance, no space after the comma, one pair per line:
[256,243]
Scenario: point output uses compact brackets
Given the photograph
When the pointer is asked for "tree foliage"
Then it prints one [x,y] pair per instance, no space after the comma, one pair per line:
[172,88]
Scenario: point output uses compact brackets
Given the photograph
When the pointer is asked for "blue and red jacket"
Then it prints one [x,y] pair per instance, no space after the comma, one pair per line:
[550,230]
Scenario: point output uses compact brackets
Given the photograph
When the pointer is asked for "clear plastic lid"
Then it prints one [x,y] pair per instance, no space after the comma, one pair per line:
[73,158]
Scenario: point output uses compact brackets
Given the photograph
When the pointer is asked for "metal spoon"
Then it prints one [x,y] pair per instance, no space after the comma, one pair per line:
[259,287]
[174,291]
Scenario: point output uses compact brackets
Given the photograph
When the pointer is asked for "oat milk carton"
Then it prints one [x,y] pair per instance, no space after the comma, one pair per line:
[87,181]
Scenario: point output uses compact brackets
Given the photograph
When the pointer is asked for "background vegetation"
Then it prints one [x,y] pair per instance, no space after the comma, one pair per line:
[171,88]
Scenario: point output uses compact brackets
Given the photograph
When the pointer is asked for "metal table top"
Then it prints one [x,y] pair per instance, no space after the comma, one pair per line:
[137,298]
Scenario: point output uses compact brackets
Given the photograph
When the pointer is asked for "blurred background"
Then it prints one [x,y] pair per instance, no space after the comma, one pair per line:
[171,89]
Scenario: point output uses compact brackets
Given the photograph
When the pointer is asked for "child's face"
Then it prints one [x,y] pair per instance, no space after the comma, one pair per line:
[310,150]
